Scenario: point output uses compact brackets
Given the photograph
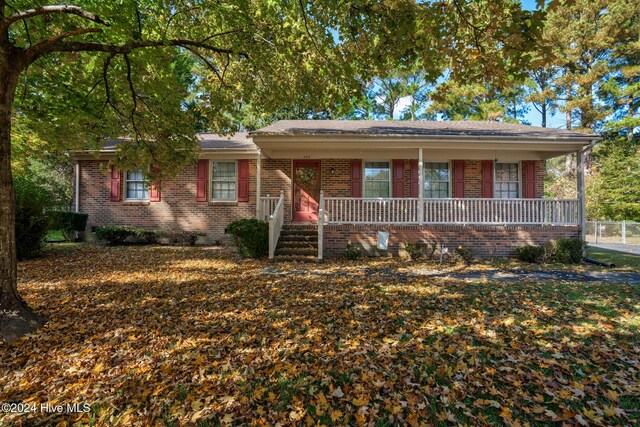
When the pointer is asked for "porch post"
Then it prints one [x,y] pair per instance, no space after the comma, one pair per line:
[582,216]
[258,185]
[76,185]
[420,188]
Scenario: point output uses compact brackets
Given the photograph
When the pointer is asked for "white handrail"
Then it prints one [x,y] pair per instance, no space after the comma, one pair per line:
[321,225]
[276,219]
[476,211]
[267,206]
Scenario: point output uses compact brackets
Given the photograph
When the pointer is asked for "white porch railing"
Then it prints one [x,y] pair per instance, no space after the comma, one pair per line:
[267,206]
[345,210]
[276,219]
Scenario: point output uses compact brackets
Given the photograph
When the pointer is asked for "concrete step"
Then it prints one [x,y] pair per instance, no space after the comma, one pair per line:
[297,238]
[297,251]
[297,244]
[298,232]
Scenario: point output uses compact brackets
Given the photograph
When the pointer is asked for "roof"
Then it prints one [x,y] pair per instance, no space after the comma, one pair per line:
[208,141]
[488,129]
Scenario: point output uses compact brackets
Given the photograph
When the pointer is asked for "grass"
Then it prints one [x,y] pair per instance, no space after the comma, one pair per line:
[189,336]
[54,236]
[618,258]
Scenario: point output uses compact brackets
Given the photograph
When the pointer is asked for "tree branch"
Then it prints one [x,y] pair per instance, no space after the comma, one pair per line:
[47,10]
[45,44]
[125,48]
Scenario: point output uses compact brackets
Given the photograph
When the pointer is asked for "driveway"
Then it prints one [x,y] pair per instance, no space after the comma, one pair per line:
[619,247]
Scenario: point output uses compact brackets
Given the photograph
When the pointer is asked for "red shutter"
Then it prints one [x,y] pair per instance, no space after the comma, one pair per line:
[458,178]
[154,187]
[115,185]
[243,180]
[201,184]
[529,175]
[415,179]
[487,179]
[356,178]
[398,178]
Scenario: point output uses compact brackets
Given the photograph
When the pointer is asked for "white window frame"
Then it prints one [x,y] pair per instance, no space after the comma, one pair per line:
[519,175]
[126,185]
[364,177]
[211,199]
[424,164]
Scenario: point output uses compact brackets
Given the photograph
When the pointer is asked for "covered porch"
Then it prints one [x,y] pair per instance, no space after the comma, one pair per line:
[416,180]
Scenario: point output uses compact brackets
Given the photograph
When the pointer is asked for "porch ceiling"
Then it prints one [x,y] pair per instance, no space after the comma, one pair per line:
[407,148]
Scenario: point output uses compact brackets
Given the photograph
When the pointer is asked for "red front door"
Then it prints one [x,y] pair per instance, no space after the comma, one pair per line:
[306,190]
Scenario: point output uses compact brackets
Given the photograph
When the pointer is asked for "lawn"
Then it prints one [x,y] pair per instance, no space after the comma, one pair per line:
[176,336]
[618,258]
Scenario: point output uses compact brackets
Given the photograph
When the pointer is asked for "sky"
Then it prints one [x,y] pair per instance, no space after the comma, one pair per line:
[556,121]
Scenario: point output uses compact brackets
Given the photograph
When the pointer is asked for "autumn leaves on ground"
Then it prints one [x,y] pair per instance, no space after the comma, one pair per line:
[175,336]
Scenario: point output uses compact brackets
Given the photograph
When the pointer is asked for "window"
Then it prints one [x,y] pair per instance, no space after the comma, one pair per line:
[507,182]
[436,180]
[137,186]
[376,179]
[223,181]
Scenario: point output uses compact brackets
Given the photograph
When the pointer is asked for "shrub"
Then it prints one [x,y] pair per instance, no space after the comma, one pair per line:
[415,250]
[181,238]
[531,253]
[464,254]
[567,251]
[352,251]
[68,222]
[121,234]
[251,236]
[32,201]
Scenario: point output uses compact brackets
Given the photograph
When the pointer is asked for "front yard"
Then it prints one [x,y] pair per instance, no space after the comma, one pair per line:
[172,336]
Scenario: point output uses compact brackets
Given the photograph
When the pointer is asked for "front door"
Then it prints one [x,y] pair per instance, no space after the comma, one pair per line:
[306,190]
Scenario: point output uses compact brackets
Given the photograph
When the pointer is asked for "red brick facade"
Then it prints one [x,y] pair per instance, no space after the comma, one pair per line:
[178,208]
[483,241]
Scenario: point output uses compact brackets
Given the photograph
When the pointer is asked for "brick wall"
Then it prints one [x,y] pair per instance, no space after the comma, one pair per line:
[483,241]
[178,208]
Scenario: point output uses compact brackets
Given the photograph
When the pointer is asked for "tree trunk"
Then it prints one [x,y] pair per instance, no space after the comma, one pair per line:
[16,319]
[544,113]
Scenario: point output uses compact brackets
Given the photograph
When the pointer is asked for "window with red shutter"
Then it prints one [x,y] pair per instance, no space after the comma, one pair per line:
[458,179]
[487,179]
[243,180]
[529,175]
[398,178]
[202,172]
[356,178]
[415,179]
[154,187]
[116,186]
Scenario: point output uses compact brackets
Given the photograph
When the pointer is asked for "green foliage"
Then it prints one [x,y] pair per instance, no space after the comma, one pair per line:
[32,202]
[464,254]
[531,253]
[352,252]
[567,251]
[415,250]
[251,236]
[68,222]
[122,234]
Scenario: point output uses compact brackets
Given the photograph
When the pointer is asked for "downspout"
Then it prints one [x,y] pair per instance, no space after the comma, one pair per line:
[77,186]
[259,213]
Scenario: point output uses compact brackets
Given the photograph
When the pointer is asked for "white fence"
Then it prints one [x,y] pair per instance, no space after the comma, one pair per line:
[276,219]
[345,210]
[625,232]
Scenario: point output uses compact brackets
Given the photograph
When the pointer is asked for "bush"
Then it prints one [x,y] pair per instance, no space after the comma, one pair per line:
[352,252]
[531,253]
[32,222]
[68,222]
[181,238]
[251,236]
[121,234]
[567,251]
[415,250]
[464,254]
